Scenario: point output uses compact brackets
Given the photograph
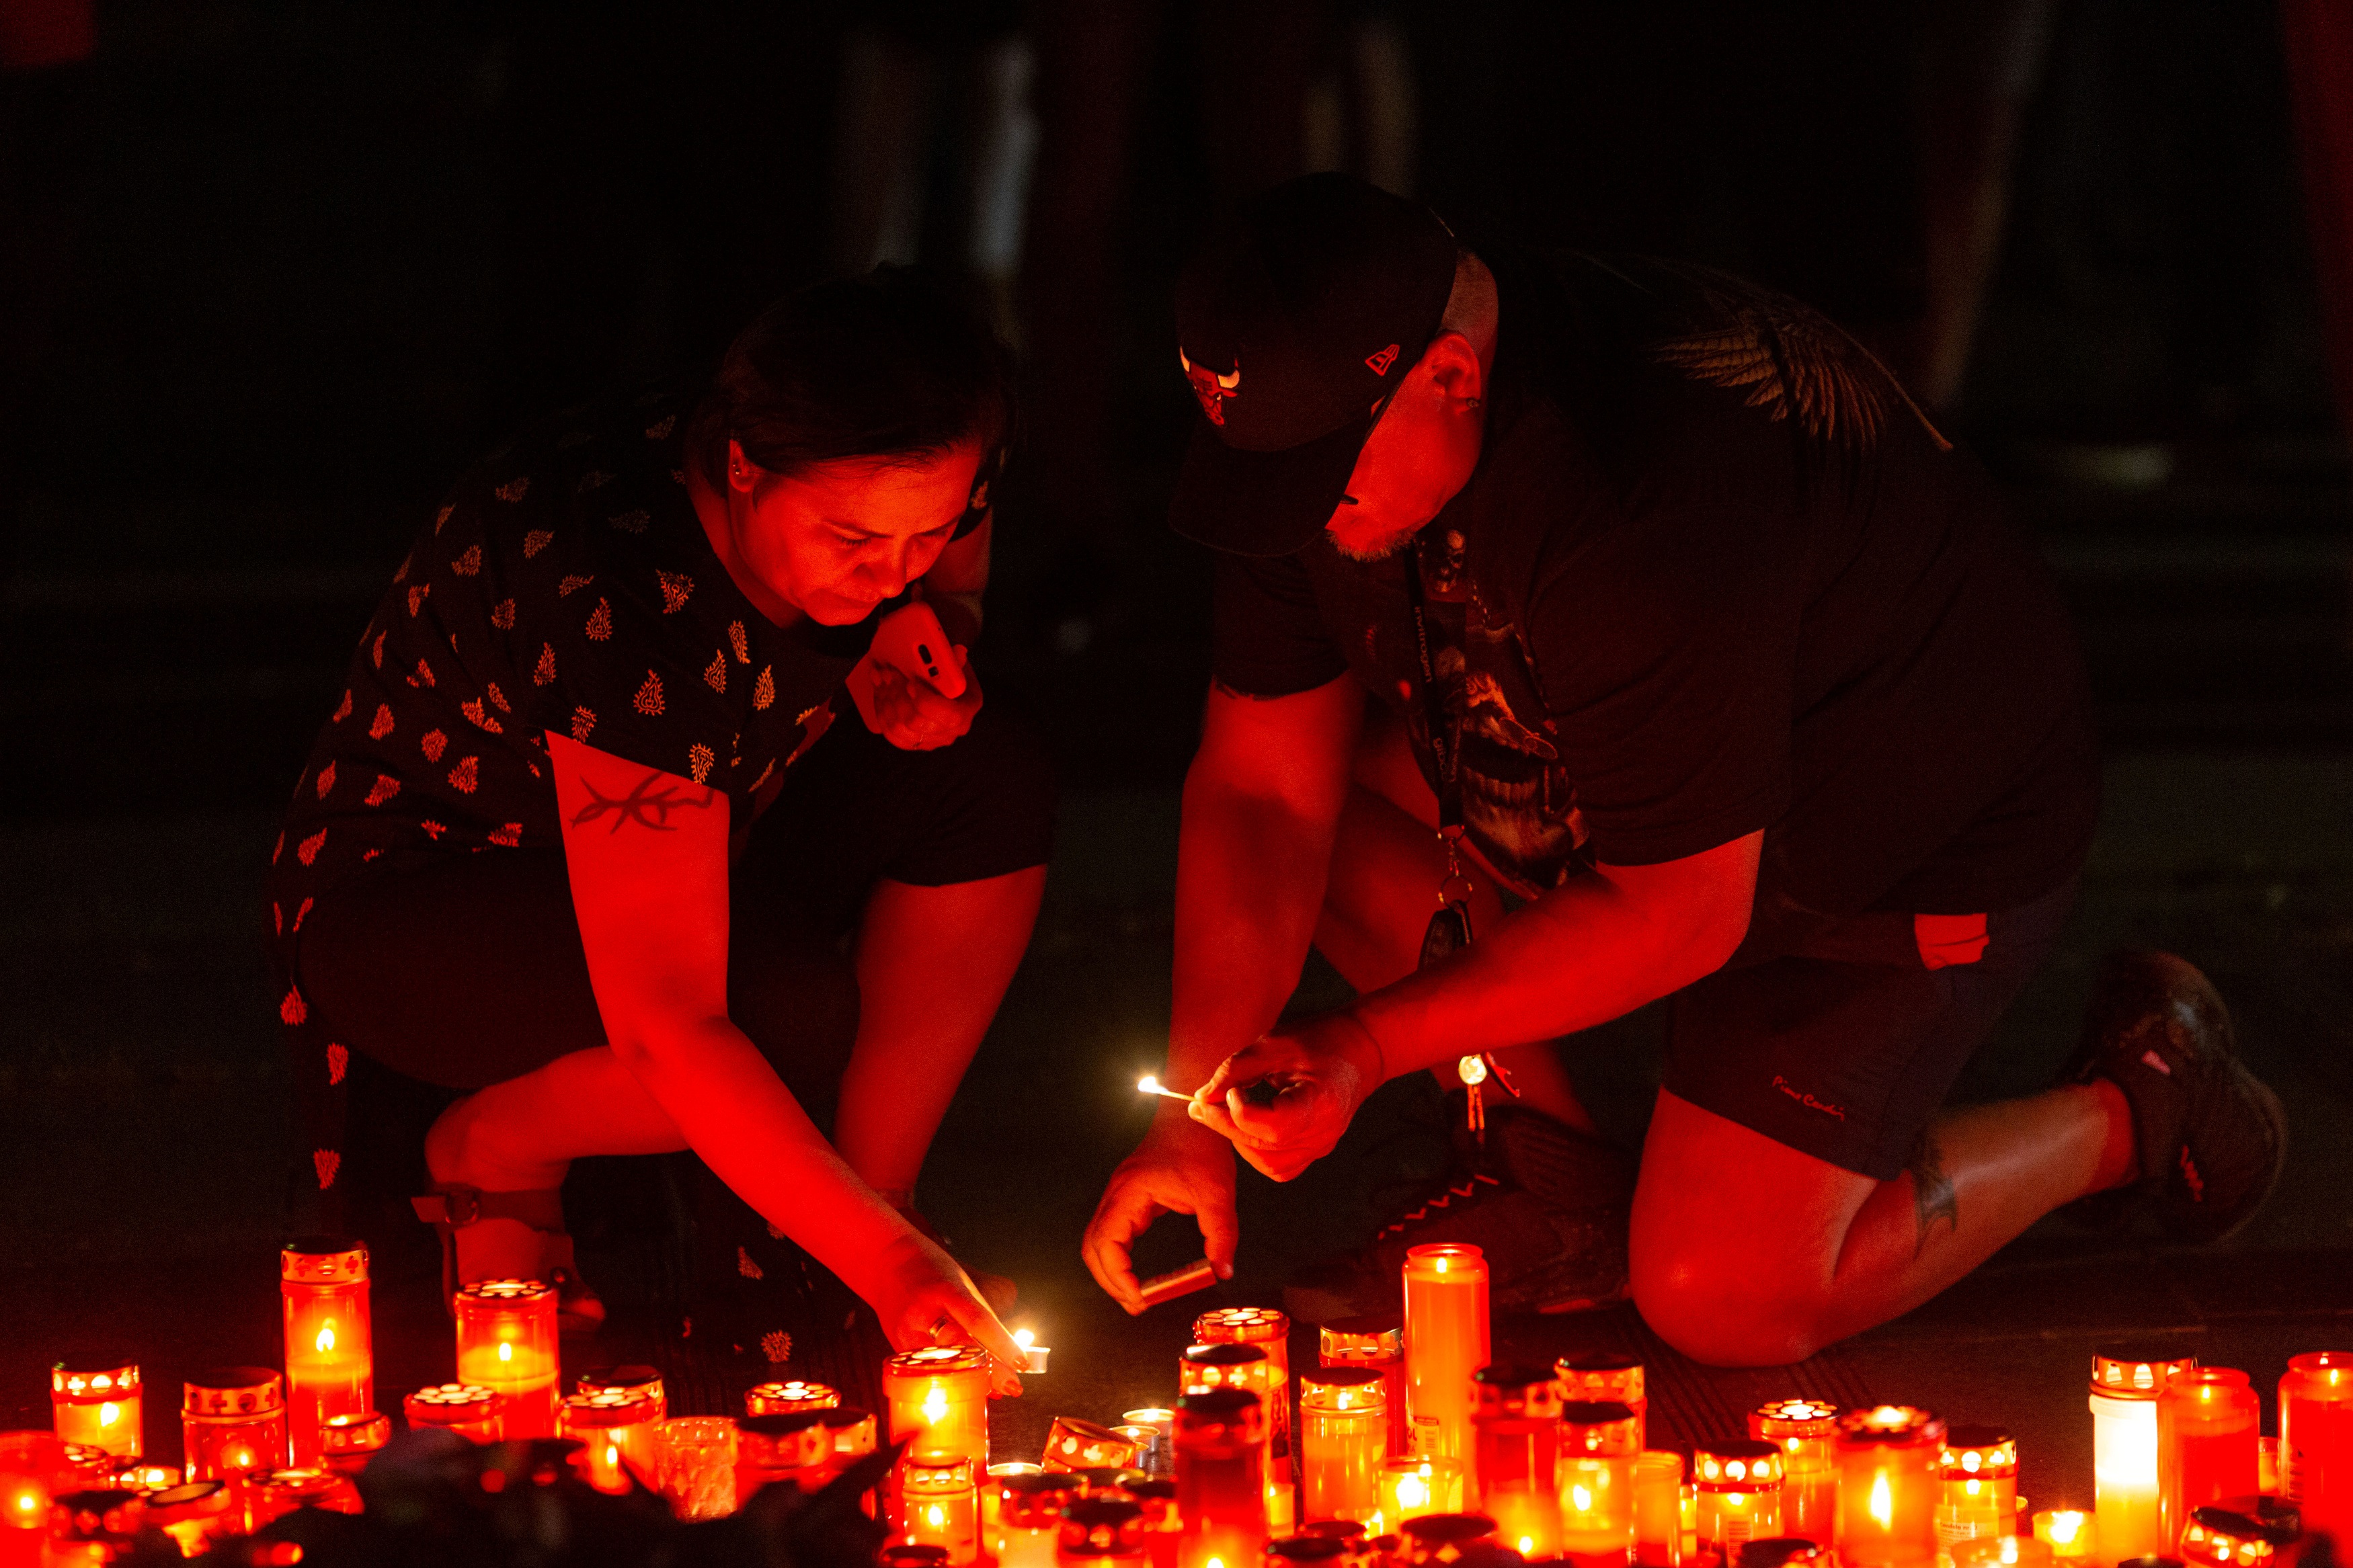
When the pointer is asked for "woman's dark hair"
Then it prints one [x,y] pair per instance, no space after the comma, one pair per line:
[889,367]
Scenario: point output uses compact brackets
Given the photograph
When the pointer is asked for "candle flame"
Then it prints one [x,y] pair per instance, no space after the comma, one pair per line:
[934,1517]
[1215,1563]
[1441,1265]
[28,1501]
[326,1339]
[935,1406]
[2064,1526]
[1411,1492]
[108,1414]
[506,1350]
[1527,1546]
[1883,1504]
[1024,1338]
[1580,1498]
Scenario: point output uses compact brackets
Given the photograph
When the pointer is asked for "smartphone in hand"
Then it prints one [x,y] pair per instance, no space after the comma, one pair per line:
[912,641]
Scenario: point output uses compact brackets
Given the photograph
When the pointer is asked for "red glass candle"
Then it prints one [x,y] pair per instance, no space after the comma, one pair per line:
[506,1341]
[1807,1432]
[94,1527]
[939,1505]
[1976,1485]
[469,1409]
[95,1399]
[346,1443]
[795,1450]
[612,1428]
[322,1285]
[788,1397]
[1163,1529]
[1342,1439]
[1738,1487]
[2227,1538]
[637,1382]
[1887,1487]
[1606,1378]
[2206,1427]
[2315,1416]
[1220,1445]
[232,1423]
[1025,1520]
[1375,1340]
[1100,1530]
[1270,1331]
[1515,1453]
[938,1399]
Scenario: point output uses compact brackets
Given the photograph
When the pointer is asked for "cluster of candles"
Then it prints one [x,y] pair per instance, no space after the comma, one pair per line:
[1406,1445]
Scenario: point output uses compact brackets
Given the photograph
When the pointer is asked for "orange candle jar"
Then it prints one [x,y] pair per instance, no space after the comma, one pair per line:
[698,1466]
[1737,1484]
[1606,1378]
[1344,1425]
[789,1398]
[1102,1531]
[1025,1520]
[322,1286]
[2316,1422]
[939,1505]
[1220,1445]
[2207,1427]
[280,1492]
[1270,1331]
[193,1515]
[1374,1341]
[792,1450]
[612,1429]
[1075,1445]
[1163,1529]
[1658,1509]
[2125,1387]
[1411,1486]
[1445,1342]
[346,1443]
[32,1473]
[2073,1535]
[1205,1367]
[95,1400]
[938,1399]
[1598,1443]
[637,1382]
[506,1341]
[469,1409]
[1887,1487]
[232,1423]
[1976,1485]
[1806,1430]
[1516,1457]
[2228,1538]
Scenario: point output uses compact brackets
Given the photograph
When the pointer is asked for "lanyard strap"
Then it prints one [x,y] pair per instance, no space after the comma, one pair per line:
[1445,742]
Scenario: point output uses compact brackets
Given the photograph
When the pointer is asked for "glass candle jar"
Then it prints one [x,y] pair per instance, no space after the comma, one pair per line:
[1220,1445]
[1807,1433]
[1438,1539]
[1344,1425]
[2207,1422]
[506,1341]
[792,1450]
[1075,1445]
[2073,1535]
[938,1503]
[1205,1367]
[1374,1341]
[1516,1454]
[1163,1529]
[1887,1487]
[2004,1551]
[322,1288]
[1411,1486]
[232,1423]
[609,1425]
[2228,1538]
[938,1400]
[94,1526]
[788,1398]
[2125,1387]
[1977,1490]
[637,1389]
[194,1514]
[637,1382]
[854,1433]
[1100,1530]
[1270,1331]
[1606,1378]
[95,1399]
[280,1492]
[698,1466]
[470,1410]
[1445,1342]
[346,1443]
[1737,1483]
[2316,1422]
[1599,1442]
[1023,1523]
[1658,1509]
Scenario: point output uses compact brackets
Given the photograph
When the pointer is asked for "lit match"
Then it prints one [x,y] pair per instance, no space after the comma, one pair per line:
[1148,1084]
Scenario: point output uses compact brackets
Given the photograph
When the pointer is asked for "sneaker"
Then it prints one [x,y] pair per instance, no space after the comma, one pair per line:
[1545,1204]
[2212,1138]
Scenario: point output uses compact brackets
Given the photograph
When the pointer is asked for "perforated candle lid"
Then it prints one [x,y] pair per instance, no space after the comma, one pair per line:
[1600,1375]
[933,1470]
[1974,1452]
[1502,1389]
[605,1407]
[2136,1372]
[195,1500]
[792,1394]
[1434,1532]
[792,1440]
[1736,1463]
[1033,1502]
[1376,1336]
[94,1375]
[1244,1325]
[1102,1526]
[1220,1416]
[932,1360]
[346,1434]
[453,1404]
[1223,1354]
[643,1382]
[497,1294]
[234,1391]
[1794,1418]
[1350,1386]
[1897,1426]
[322,1259]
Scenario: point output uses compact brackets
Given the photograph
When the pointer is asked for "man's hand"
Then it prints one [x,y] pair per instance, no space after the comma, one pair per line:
[914,717]
[1284,1100]
[924,1298]
[1177,1169]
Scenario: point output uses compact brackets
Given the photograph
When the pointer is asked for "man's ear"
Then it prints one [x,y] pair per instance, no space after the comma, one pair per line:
[741,475]
[1453,367]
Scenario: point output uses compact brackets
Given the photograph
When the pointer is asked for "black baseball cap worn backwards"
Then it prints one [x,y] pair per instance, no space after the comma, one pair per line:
[1296,322]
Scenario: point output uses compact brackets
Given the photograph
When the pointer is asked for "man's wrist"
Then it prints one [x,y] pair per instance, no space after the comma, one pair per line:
[1354,1038]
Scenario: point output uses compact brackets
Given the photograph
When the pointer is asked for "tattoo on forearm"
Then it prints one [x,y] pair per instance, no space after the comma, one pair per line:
[1225,690]
[648,805]
[1932,1197]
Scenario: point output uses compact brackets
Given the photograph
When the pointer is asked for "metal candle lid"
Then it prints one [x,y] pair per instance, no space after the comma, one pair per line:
[234,1391]
[1102,1527]
[454,1404]
[794,1441]
[782,1398]
[606,1407]
[322,1260]
[1241,1325]
[1894,1426]
[102,1376]
[1376,1338]
[934,1360]
[342,1435]
[1602,1375]
[1794,1418]
[1975,1453]
[640,1381]
[1739,1464]
[1502,1389]
[2135,1373]
[506,1295]
[1223,1355]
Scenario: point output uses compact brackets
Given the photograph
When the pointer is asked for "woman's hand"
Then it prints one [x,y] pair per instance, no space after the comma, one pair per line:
[923,1297]
[914,717]
[1285,1099]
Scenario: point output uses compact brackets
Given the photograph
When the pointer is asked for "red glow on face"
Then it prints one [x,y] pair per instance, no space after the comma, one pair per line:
[840,539]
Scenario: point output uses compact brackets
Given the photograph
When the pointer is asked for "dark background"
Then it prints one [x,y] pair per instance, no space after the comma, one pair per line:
[275,272]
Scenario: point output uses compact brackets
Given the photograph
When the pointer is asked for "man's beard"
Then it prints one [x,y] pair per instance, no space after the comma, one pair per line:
[1380,550]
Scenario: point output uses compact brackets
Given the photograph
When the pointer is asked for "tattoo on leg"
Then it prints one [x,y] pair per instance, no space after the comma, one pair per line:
[646,806]
[1932,1197]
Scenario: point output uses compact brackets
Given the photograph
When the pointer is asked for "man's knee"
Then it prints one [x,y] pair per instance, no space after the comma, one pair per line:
[1711,1313]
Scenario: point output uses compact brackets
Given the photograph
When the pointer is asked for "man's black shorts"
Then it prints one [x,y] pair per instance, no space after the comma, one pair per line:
[1846,1048]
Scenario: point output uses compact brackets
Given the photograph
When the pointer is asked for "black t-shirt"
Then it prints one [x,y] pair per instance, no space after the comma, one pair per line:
[566,585]
[1715,573]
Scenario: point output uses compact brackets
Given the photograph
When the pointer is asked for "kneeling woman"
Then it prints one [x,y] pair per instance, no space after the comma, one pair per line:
[586,833]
